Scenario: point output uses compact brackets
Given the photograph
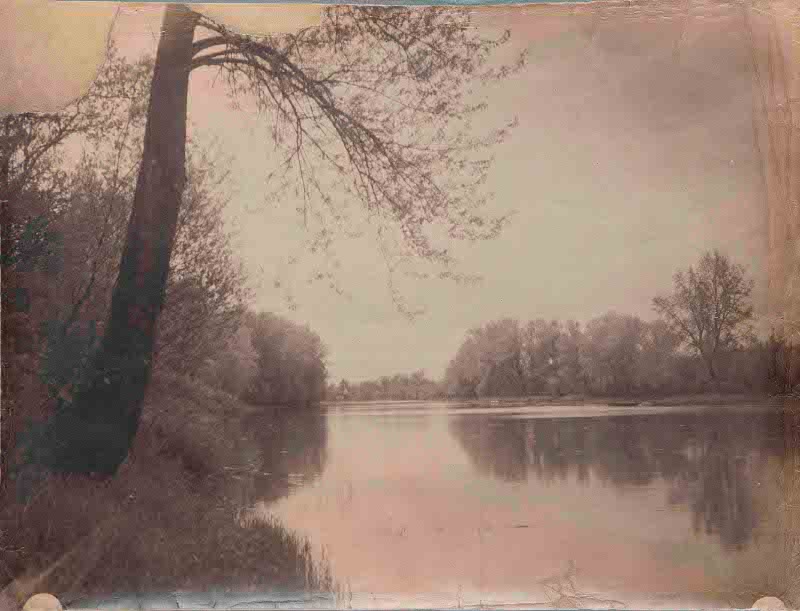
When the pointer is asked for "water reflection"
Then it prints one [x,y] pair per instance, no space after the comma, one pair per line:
[290,451]
[707,459]
[447,507]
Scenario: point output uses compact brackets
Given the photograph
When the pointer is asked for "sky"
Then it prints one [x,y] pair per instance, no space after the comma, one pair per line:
[633,154]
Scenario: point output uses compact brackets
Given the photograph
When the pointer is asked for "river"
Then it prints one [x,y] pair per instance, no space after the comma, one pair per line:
[440,505]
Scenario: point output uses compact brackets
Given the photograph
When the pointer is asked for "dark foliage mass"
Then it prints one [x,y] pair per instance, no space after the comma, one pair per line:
[63,234]
[61,250]
[168,520]
[289,364]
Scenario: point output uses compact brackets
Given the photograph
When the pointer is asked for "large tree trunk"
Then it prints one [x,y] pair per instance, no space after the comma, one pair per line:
[716,383]
[712,373]
[104,417]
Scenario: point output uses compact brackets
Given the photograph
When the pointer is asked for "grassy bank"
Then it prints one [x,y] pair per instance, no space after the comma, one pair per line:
[168,520]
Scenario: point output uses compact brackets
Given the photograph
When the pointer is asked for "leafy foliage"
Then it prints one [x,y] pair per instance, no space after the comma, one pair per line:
[290,362]
[62,248]
[621,354]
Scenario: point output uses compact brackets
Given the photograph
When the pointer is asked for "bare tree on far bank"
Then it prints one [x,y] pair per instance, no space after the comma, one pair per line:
[709,307]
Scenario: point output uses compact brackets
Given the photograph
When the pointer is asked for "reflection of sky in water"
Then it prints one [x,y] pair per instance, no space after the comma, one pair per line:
[420,507]
[441,508]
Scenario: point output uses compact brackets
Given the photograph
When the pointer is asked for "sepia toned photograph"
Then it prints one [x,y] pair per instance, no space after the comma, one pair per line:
[400,307]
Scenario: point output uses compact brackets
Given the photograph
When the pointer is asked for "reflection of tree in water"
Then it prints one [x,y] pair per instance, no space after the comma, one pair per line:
[291,451]
[725,499]
[706,458]
[492,439]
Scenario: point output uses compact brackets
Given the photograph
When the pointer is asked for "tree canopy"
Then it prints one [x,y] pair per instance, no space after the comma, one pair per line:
[709,307]
[371,112]
[374,113]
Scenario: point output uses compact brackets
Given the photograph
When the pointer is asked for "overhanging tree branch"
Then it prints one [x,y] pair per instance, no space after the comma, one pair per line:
[343,145]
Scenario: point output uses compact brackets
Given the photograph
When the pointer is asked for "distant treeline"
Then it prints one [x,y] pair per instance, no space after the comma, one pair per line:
[613,354]
[702,341]
[401,387]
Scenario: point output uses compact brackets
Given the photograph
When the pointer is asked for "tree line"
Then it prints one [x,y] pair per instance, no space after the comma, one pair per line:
[702,340]
[416,386]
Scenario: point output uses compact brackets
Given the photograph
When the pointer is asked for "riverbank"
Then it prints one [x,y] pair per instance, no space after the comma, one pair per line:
[167,521]
[698,399]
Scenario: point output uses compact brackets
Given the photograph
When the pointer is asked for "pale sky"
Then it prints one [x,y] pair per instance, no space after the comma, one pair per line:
[634,153]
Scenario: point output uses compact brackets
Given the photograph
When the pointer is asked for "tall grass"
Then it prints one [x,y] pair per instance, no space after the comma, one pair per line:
[167,521]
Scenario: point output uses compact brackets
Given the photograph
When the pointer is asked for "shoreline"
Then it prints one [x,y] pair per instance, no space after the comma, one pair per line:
[699,399]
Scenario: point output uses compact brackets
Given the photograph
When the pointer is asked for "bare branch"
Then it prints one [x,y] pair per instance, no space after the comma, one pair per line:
[374,107]
[206,43]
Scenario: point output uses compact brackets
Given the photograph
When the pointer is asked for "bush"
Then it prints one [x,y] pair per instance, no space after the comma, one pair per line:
[166,521]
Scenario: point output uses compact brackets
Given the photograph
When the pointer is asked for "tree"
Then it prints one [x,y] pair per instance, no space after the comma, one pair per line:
[489,362]
[234,367]
[290,362]
[656,370]
[571,376]
[501,360]
[369,107]
[64,262]
[611,352]
[541,342]
[399,387]
[33,190]
[463,373]
[709,307]
[206,293]
[344,389]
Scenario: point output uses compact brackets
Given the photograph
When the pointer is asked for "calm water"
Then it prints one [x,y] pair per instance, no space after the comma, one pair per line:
[429,505]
